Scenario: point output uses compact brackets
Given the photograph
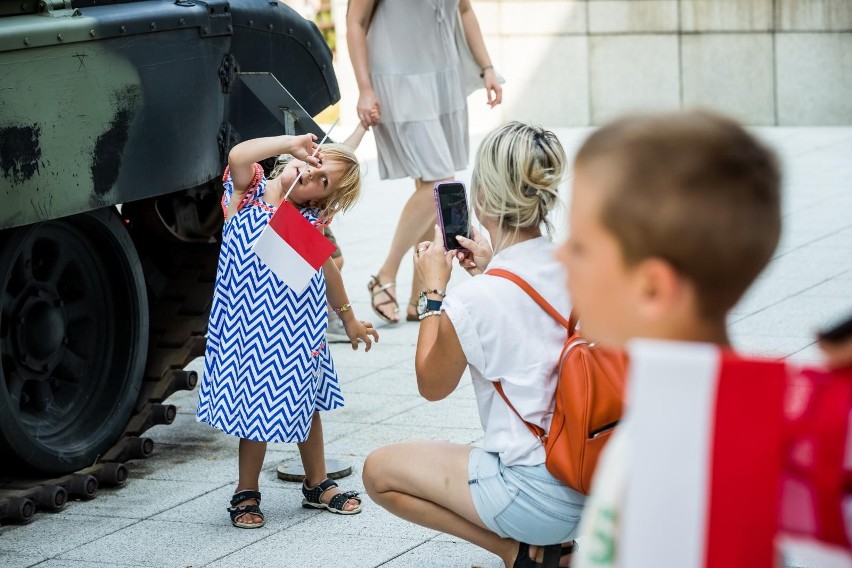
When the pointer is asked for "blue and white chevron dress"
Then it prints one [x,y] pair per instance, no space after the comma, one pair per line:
[266,367]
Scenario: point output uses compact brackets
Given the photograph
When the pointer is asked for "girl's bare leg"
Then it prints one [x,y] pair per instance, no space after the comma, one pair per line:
[251,454]
[426,483]
[417,218]
[312,451]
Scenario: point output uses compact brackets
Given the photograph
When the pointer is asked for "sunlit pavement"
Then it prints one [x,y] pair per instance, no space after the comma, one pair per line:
[172,510]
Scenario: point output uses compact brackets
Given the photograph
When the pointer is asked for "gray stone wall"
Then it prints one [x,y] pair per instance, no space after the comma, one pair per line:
[581,62]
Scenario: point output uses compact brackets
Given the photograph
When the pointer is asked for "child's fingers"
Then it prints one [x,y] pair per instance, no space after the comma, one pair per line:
[369,330]
[367,341]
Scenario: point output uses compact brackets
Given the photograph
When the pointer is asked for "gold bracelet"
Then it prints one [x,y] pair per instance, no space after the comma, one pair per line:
[344,308]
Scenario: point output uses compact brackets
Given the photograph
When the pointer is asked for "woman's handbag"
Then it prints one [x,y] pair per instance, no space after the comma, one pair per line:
[588,400]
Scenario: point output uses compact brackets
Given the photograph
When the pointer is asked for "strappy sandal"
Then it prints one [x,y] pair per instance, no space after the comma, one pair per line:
[409,317]
[375,288]
[238,511]
[552,554]
[313,498]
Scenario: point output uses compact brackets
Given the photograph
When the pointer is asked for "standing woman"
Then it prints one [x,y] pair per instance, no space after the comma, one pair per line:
[409,59]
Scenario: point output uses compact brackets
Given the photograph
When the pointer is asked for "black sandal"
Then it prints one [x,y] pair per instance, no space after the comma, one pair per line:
[238,511]
[552,554]
[313,498]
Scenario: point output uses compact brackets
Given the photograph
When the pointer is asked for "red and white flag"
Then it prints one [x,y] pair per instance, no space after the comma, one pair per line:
[709,450]
[292,247]
[816,490]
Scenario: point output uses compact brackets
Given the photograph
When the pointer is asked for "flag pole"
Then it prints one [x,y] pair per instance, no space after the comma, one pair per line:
[324,138]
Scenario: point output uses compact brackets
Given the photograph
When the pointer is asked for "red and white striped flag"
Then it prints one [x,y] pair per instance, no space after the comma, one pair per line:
[710,439]
[816,491]
[292,247]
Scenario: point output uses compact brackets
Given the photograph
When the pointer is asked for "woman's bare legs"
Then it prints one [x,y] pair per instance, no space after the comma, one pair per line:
[251,454]
[417,219]
[426,483]
[312,452]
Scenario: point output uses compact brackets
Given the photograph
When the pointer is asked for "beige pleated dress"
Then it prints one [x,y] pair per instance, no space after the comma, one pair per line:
[416,72]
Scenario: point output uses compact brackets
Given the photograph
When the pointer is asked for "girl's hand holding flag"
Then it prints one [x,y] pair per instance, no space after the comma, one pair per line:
[305,148]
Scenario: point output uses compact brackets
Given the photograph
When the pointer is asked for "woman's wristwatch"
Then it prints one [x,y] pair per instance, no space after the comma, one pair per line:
[425,305]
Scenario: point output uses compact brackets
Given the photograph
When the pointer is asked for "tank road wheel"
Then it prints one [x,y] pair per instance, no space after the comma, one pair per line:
[73,337]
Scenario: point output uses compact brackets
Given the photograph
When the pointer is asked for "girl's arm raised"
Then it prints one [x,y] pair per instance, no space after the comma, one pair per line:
[337,299]
[245,154]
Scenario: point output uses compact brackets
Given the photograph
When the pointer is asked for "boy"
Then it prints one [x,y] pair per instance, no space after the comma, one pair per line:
[672,217]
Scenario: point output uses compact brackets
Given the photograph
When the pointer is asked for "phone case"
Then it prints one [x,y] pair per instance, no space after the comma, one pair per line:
[436,191]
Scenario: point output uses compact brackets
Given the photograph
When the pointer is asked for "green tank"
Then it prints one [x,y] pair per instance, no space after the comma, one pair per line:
[116,117]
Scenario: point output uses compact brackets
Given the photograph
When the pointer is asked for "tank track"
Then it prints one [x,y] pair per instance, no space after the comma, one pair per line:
[180,283]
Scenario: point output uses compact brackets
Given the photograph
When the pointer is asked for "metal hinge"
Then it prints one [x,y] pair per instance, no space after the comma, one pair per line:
[228,72]
[58,8]
[218,18]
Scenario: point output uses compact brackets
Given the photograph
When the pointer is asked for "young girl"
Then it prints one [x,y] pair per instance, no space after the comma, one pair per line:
[268,371]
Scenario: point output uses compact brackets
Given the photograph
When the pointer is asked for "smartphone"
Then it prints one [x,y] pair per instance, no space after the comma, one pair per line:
[453,215]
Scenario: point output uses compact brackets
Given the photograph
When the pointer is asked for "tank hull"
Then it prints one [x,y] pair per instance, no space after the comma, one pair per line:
[116,118]
[108,104]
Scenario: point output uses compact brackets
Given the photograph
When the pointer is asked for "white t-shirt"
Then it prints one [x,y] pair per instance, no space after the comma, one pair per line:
[602,520]
[506,336]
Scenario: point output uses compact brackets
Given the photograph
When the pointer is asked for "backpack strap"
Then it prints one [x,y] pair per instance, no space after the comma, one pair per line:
[570,324]
[537,431]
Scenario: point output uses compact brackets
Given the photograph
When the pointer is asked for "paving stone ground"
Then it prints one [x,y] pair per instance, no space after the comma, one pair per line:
[171,513]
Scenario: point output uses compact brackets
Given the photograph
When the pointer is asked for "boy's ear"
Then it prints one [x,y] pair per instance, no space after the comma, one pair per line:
[661,289]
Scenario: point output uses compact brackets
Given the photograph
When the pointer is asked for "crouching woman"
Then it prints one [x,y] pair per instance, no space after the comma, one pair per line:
[500,496]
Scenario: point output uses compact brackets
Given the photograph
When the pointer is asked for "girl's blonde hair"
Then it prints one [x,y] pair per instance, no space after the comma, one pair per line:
[348,188]
[516,176]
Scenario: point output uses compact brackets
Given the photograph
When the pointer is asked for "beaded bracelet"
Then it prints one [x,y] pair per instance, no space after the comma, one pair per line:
[344,308]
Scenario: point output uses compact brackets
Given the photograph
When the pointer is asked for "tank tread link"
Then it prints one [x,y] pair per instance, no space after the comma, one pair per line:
[116,118]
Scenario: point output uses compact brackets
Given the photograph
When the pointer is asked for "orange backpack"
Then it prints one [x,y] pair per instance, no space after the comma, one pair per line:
[589,400]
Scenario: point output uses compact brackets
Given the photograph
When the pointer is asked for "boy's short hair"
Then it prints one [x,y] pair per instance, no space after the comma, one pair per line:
[696,190]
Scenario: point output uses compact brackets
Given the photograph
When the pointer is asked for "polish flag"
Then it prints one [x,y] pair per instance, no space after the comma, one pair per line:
[816,490]
[710,438]
[292,247]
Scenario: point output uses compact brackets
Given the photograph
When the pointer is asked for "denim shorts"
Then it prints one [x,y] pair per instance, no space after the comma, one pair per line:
[525,503]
